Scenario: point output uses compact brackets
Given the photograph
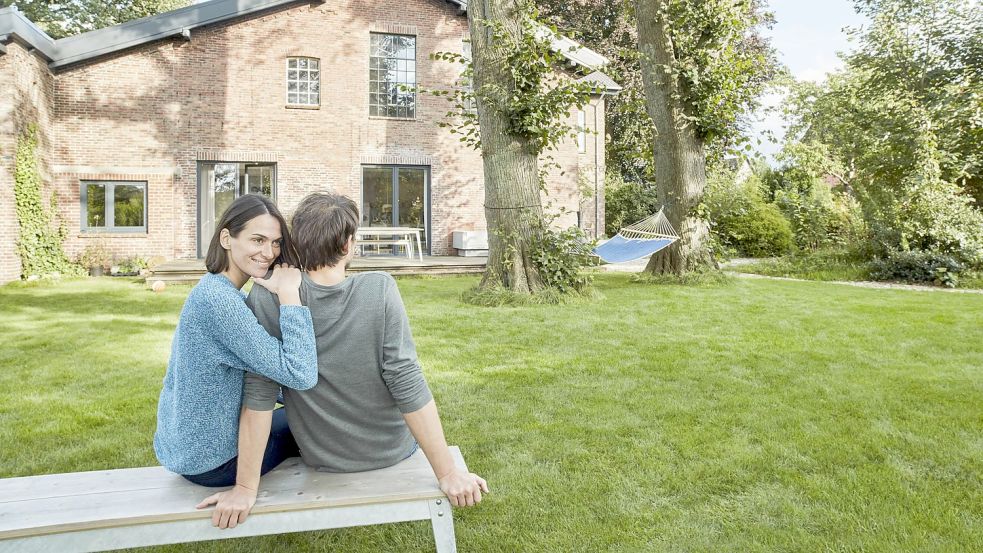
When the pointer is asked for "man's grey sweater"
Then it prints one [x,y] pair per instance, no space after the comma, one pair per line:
[368,374]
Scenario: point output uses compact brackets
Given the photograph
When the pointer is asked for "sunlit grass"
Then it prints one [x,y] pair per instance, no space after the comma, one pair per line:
[744,416]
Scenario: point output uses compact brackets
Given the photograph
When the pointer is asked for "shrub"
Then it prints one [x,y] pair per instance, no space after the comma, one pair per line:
[918,266]
[561,257]
[925,212]
[741,219]
[626,202]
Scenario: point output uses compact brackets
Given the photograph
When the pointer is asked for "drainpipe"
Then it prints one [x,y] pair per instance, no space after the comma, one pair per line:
[596,214]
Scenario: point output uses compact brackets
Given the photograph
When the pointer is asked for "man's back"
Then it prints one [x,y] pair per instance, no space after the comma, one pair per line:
[368,374]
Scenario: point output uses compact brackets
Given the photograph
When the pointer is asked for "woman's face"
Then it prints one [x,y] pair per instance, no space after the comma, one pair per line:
[254,250]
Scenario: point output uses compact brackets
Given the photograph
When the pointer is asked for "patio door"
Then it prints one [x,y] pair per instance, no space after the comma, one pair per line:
[397,196]
[221,183]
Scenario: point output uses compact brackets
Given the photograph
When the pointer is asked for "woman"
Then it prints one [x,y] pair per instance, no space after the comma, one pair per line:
[218,338]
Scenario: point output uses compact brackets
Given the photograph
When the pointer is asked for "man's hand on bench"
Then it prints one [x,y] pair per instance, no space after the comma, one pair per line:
[231,507]
[463,488]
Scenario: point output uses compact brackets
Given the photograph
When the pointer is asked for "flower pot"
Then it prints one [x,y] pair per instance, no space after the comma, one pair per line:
[95,271]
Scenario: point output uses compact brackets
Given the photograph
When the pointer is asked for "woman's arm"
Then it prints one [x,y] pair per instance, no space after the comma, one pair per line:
[292,362]
[233,506]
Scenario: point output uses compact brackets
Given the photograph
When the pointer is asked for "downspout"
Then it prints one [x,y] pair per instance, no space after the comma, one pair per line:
[597,217]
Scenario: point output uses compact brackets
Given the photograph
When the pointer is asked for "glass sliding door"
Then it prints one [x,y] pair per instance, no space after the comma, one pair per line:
[397,197]
[219,184]
[377,197]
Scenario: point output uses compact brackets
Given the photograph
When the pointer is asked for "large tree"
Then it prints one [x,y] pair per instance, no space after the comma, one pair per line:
[703,66]
[520,104]
[71,17]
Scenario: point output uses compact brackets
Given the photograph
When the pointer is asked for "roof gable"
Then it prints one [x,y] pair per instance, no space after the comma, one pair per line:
[180,22]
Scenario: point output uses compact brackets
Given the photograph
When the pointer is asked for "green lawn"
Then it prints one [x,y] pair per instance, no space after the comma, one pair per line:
[754,416]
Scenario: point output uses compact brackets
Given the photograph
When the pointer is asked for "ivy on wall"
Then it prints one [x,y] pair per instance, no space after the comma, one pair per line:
[38,244]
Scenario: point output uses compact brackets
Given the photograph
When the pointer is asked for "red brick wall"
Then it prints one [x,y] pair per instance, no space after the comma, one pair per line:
[25,98]
[150,113]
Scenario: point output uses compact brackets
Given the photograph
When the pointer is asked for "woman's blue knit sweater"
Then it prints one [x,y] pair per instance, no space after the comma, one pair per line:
[217,338]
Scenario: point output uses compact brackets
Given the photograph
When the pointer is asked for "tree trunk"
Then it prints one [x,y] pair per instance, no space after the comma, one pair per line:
[680,157]
[513,208]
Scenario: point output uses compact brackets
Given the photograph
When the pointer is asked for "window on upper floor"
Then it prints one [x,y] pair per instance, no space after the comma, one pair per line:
[303,82]
[392,62]
[114,206]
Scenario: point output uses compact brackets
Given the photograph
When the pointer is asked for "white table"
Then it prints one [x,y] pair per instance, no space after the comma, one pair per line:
[398,235]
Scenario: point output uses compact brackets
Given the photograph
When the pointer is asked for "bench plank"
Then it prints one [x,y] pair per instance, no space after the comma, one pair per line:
[106,499]
[183,531]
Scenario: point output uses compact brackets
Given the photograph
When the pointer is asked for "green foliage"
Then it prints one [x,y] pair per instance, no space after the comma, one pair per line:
[820,217]
[534,98]
[71,17]
[724,63]
[741,218]
[918,266]
[38,244]
[825,264]
[900,126]
[96,254]
[626,202]
[561,257]
[130,266]
[609,28]
[926,212]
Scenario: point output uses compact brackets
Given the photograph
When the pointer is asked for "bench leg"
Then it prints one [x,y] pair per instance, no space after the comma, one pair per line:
[443,525]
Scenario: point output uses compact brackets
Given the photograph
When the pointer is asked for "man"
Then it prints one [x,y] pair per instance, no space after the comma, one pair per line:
[371,405]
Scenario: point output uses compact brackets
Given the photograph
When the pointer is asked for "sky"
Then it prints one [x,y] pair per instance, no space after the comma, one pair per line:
[807,34]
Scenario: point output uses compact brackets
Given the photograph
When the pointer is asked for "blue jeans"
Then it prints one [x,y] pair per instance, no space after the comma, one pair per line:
[280,446]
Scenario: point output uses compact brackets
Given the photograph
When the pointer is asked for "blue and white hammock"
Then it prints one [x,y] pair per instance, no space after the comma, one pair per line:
[638,240]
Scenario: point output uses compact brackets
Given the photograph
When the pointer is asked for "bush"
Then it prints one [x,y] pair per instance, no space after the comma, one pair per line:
[918,266]
[626,202]
[130,266]
[925,212]
[561,257]
[821,218]
[741,219]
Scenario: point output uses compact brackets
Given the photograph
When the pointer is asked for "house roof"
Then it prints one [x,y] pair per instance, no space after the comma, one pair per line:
[602,81]
[179,22]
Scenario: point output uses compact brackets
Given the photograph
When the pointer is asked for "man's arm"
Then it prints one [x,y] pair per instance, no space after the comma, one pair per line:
[233,506]
[463,488]
[402,374]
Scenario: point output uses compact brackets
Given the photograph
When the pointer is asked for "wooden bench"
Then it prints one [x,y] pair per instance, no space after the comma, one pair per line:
[116,509]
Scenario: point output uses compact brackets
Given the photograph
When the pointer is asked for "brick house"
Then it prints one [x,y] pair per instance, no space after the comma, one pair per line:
[148,129]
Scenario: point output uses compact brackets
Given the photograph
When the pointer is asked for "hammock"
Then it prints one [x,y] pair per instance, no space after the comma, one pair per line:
[638,240]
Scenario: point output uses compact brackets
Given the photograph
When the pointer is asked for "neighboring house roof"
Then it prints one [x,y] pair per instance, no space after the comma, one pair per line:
[602,81]
[74,49]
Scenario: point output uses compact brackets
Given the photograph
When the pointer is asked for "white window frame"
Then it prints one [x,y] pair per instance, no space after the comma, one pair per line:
[405,70]
[308,81]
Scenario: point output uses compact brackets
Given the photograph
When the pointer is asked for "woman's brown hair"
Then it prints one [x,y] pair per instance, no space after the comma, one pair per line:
[239,213]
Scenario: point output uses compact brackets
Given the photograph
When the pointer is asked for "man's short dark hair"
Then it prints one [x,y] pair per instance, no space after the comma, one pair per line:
[321,227]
